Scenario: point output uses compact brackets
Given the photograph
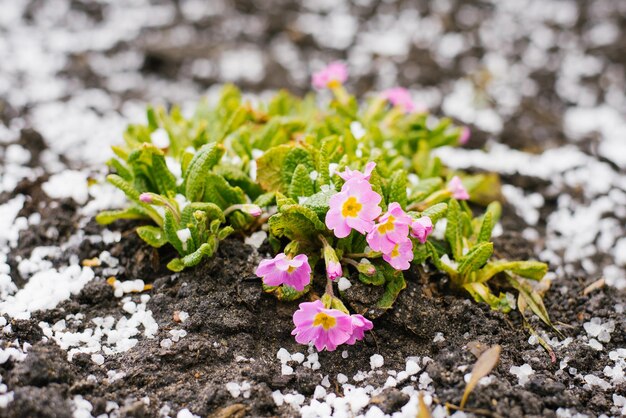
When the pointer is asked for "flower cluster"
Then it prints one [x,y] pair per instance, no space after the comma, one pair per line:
[357,207]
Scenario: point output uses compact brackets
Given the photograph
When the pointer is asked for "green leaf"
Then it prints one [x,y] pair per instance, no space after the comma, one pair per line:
[219,191]
[440,265]
[307,213]
[329,144]
[454,229]
[193,259]
[296,156]
[238,178]
[481,293]
[378,279]
[532,298]
[266,199]
[196,175]
[163,178]
[293,226]
[319,202]
[489,221]
[170,227]
[397,188]
[301,184]
[436,212]
[534,270]
[133,195]
[153,235]
[286,293]
[269,168]
[109,216]
[394,284]
[475,258]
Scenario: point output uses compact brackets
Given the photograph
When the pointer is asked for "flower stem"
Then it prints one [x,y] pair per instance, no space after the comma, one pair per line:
[329,287]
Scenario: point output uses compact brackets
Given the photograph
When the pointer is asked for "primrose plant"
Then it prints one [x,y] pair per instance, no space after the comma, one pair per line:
[346,192]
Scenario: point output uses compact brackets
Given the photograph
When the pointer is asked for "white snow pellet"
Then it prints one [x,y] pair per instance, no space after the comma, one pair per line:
[376,361]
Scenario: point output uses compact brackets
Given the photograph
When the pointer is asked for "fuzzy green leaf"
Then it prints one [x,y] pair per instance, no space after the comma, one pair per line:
[397,188]
[454,229]
[394,284]
[475,258]
[307,213]
[489,221]
[219,191]
[164,180]
[319,202]
[436,212]
[109,216]
[534,270]
[269,168]
[301,184]
[193,259]
[153,235]
[296,156]
[196,175]
[481,293]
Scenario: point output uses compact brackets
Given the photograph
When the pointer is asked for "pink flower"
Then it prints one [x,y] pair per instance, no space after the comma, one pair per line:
[252,210]
[348,174]
[455,186]
[294,272]
[336,73]
[360,324]
[326,328]
[146,197]
[464,136]
[354,207]
[421,228]
[392,228]
[400,256]
[333,270]
[399,96]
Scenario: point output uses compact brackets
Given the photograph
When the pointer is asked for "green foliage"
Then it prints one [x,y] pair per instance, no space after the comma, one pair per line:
[284,156]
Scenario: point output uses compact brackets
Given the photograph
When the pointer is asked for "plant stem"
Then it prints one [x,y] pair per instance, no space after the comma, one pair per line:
[329,287]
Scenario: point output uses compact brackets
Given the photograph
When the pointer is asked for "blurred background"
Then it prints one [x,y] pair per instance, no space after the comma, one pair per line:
[545,77]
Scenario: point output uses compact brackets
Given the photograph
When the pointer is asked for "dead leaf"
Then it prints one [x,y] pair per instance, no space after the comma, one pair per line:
[598,284]
[483,366]
[91,262]
[422,411]
[237,410]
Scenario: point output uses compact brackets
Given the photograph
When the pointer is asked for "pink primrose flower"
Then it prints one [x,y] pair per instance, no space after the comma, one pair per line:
[465,135]
[354,207]
[421,228]
[294,272]
[360,324]
[334,74]
[399,96]
[401,255]
[392,228]
[333,270]
[348,174]
[326,328]
[455,186]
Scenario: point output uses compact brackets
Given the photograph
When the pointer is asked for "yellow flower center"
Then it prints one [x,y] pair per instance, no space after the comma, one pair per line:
[291,269]
[351,207]
[387,226]
[333,83]
[326,321]
[395,252]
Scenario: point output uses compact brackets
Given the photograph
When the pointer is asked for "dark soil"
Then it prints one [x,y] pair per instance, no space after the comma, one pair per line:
[229,316]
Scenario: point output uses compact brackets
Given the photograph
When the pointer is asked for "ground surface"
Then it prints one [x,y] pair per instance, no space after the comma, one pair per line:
[542,85]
